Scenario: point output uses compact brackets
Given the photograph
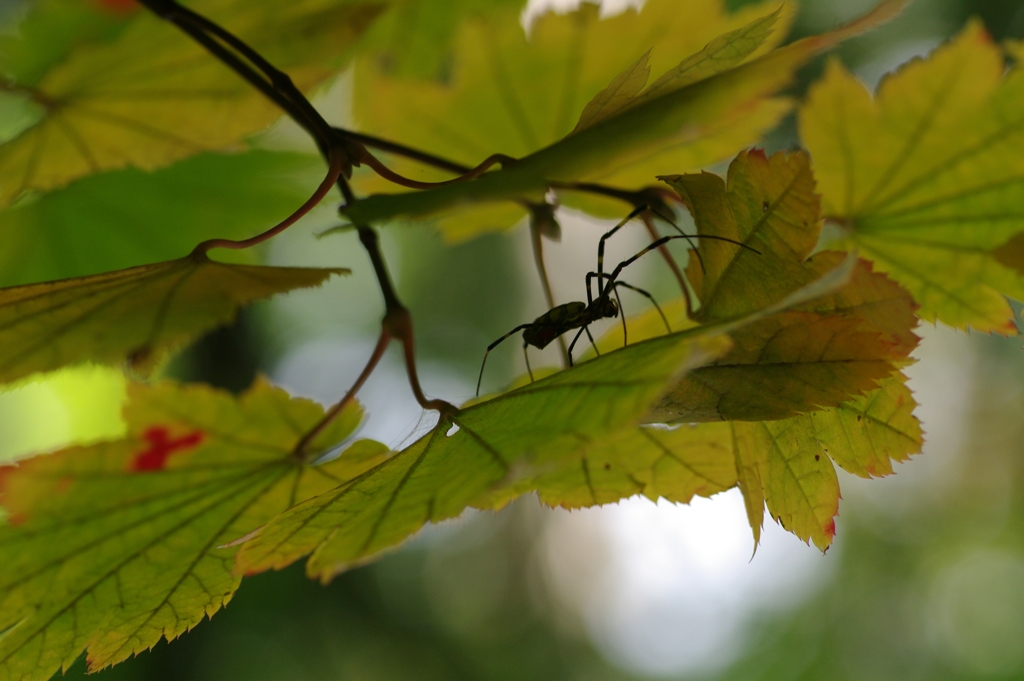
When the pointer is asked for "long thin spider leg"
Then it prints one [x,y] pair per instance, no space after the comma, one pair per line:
[494,345]
[526,356]
[705,236]
[622,316]
[609,233]
[657,244]
[590,277]
[652,230]
[649,297]
[573,344]
[688,237]
[587,329]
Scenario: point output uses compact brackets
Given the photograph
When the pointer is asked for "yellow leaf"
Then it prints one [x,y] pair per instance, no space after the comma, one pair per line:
[674,464]
[480,456]
[865,435]
[512,94]
[769,205]
[926,175]
[788,364]
[153,96]
[783,462]
[800,360]
[137,313]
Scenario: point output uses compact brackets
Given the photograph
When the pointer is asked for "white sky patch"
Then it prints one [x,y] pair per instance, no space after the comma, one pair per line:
[666,589]
[324,369]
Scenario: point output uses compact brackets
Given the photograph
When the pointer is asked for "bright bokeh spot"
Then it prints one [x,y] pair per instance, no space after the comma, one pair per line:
[75,405]
[667,589]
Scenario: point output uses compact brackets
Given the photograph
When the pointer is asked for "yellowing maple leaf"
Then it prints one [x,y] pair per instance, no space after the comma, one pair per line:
[514,94]
[479,456]
[926,175]
[660,463]
[153,96]
[830,356]
[113,546]
[136,313]
[800,360]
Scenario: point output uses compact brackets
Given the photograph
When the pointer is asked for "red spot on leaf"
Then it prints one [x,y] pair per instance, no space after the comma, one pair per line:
[759,153]
[5,473]
[17,519]
[161,447]
[830,528]
[118,6]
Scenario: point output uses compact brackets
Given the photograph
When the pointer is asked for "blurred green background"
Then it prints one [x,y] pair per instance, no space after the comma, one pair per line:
[925,581]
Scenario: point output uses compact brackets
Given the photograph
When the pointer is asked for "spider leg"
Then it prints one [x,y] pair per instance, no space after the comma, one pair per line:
[622,316]
[689,238]
[526,356]
[573,344]
[494,345]
[591,276]
[587,329]
[608,235]
[649,297]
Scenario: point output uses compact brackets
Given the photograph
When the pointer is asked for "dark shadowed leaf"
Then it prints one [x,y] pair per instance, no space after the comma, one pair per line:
[138,313]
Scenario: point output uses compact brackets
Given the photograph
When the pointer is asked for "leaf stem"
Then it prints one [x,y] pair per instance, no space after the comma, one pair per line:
[388,174]
[333,173]
[538,257]
[667,255]
[301,453]
[646,196]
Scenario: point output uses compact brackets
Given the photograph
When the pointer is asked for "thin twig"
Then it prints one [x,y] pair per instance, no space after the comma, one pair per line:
[542,270]
[300,453]
[333,173]
[667,255]
[388,174]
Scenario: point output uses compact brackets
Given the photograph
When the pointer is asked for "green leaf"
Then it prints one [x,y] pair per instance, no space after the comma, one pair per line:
[619,94]
[515,95]
[491,458]
[414,38]
[50,30]
[681,120]
[481,456]
[136,313]
[786,465]
[926,175]
[114,546]
[152,96]
[674,464]
[128,217]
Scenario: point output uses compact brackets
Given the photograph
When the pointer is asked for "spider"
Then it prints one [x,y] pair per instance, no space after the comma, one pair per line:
[578,315]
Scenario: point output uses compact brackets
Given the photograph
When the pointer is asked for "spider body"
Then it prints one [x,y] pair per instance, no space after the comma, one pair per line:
[578,315]
[556,321]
